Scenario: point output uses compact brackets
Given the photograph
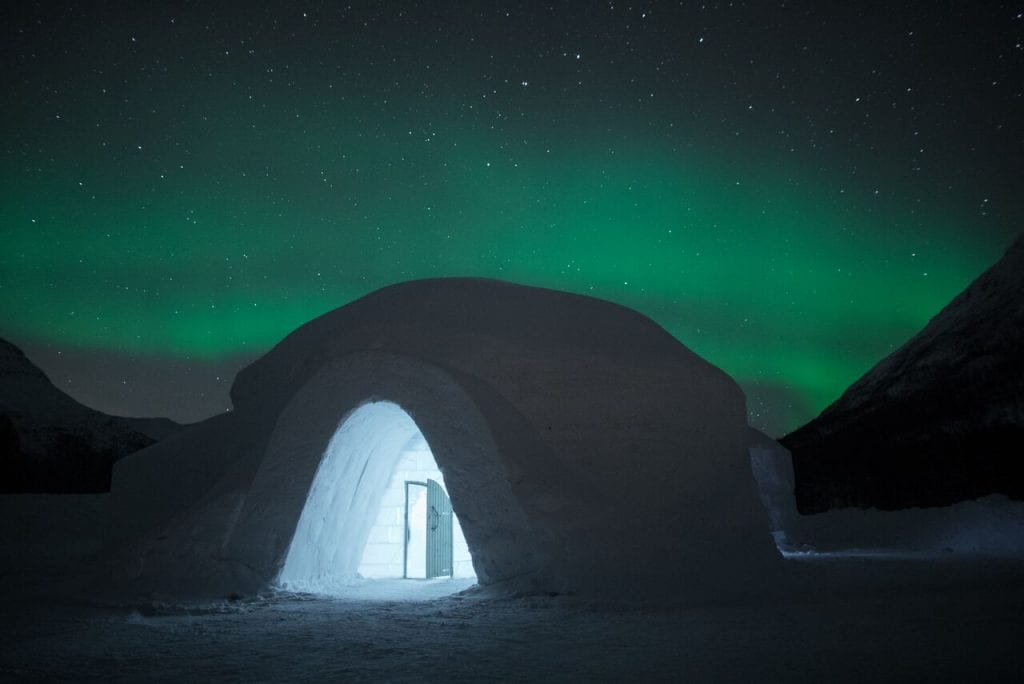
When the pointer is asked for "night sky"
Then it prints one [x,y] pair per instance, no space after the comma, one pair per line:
[792,189]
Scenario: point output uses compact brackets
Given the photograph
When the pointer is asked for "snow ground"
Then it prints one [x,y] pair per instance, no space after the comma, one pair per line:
[940,613]
[842,620]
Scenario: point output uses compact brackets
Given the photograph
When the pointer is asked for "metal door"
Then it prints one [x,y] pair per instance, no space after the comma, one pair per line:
[439,532]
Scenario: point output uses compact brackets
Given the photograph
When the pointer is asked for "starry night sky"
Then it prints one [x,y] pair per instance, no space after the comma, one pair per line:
[792,189]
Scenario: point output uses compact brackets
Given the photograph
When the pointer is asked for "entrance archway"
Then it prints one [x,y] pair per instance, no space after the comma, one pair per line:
[354,521]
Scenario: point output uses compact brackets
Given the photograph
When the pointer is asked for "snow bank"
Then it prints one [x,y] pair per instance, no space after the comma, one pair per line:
[772,467]
[990,526]
[584,449]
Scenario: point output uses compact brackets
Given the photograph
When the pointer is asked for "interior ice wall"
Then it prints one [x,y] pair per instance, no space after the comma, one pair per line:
[384,553]
[504,538]
[345,495]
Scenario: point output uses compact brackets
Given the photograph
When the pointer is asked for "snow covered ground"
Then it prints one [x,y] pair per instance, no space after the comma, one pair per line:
[928,607]
[841,620]
[947,613]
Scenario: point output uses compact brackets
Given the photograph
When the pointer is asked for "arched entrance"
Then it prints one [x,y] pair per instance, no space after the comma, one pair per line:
[453,417]
[354,521]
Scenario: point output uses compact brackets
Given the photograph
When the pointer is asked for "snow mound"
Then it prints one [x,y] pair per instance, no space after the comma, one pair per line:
[992,526]
[585,450]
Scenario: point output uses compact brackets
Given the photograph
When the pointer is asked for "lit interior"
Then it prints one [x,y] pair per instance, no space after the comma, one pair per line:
[353,522]
[383,554]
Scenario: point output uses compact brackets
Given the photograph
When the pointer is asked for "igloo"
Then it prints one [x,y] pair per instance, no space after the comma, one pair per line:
[584,450]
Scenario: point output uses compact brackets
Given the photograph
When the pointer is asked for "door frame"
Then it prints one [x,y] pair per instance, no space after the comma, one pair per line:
[405,532]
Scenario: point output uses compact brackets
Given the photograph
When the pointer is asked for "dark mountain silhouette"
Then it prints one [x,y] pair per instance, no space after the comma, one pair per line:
[939,420]
[51,443]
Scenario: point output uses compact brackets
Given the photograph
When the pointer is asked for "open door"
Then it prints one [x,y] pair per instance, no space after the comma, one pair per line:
[414,551]
[439,532]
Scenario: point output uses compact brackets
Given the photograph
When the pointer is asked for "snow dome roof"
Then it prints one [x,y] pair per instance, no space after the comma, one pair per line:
[583,447]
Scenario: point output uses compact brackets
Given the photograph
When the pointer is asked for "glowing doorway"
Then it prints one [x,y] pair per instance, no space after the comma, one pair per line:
[408,536]
[352,523]
[429,534]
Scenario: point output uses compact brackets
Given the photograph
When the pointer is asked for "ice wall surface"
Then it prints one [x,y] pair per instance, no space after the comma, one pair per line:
[584,449]
[345,496]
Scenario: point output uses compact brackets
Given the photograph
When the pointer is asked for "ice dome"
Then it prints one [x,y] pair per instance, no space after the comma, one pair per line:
[584,450]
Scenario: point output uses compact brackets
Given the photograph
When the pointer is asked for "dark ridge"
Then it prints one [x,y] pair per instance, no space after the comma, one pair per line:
[939,420]
[49,443]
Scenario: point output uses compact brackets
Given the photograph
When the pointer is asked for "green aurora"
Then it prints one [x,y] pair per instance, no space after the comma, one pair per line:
[185,187]
[744,268]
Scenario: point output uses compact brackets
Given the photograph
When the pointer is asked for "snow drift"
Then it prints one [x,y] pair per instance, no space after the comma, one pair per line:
[989,527]
[584,449]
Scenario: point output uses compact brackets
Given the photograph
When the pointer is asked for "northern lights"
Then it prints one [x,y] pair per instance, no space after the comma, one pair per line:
[183,188]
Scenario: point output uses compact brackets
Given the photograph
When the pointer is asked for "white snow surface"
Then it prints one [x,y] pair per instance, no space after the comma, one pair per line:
[585,450]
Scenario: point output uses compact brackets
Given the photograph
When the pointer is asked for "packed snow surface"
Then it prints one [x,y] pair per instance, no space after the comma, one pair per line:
[917,612]
[873,621]
[583,447]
